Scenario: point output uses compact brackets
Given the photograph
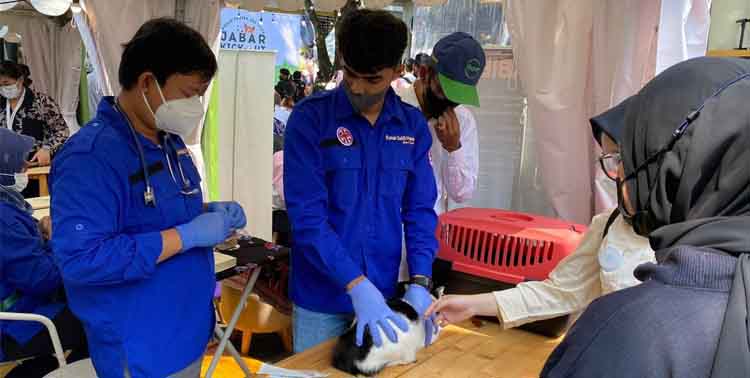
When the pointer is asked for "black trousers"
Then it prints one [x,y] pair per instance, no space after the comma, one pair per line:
[72,337]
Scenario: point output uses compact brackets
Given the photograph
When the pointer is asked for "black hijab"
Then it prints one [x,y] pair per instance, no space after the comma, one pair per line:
[698,192]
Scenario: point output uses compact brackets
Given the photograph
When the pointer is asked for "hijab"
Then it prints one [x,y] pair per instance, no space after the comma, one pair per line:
[697,192]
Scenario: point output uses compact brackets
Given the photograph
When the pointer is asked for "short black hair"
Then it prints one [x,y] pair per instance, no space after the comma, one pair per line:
[297,75]
[371,40]
[11,69]
[165,46]
[284,71]
[285,89]
[26,73]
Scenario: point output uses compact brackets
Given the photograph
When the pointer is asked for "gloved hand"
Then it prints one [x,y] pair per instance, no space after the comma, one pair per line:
[421,299]
[206,230]
[233,209]
[373,312]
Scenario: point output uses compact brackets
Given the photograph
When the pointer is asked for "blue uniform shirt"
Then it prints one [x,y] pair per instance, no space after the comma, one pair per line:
[26,268]
[157,319]
[352,190]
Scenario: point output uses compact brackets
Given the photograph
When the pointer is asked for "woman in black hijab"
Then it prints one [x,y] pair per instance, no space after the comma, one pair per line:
[686,158]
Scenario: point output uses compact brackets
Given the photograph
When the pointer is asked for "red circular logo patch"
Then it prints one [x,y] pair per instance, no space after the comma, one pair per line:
[344,136]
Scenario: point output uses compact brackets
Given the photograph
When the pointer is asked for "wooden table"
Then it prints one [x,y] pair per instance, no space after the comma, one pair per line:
[41,213]
[40,173]
[463,351]
[729,53]
[38,203]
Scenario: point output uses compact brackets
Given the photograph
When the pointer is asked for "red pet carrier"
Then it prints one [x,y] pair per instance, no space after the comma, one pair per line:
[484,250]
[505,246]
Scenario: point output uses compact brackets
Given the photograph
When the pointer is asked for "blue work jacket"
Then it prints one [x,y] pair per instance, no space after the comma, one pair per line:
[156,318]
[353,190]
[27,269]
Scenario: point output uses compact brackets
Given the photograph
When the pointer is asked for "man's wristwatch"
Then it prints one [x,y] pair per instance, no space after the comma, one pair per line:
[423,281]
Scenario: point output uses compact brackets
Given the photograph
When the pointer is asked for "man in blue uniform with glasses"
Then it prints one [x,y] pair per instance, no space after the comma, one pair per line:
[131,234]
[357,180]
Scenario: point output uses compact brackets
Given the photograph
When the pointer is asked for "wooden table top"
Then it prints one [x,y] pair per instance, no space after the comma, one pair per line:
[38,171]
[41,213]
[223,262]
[463,351]
[38,203]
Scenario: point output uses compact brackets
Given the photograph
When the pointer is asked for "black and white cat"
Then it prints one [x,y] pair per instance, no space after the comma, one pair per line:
[369,360]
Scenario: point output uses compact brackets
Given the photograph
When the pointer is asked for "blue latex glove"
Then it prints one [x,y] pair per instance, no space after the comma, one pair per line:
[234,211]
[421,299]
[373,312]
[206,230]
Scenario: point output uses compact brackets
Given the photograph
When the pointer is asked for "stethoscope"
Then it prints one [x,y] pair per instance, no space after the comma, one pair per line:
[149,198]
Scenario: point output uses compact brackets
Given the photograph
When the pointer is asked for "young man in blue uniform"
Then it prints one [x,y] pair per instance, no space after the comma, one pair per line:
[131,233]
[29,279]
[357,178]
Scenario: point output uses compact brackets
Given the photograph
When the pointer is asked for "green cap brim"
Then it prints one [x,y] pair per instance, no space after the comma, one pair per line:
[459,93]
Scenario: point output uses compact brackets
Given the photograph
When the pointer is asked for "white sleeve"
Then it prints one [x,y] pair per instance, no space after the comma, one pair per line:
[571,286]
[461,167]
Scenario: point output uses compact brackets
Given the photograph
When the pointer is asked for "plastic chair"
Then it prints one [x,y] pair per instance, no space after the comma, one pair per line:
[79,369]
[257,317]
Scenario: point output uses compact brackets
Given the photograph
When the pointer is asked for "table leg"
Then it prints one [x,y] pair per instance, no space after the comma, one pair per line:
[233,322]
[43,188]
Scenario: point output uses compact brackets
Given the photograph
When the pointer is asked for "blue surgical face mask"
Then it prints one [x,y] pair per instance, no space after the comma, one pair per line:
[21,180]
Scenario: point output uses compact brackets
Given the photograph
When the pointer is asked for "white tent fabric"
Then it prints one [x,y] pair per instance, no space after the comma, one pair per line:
[113,23]
[53,54]
[95,89]
[377,4]
[589,56]
[683,31]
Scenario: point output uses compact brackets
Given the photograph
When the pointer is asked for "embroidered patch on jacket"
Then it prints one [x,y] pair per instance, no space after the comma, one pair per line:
[404,139]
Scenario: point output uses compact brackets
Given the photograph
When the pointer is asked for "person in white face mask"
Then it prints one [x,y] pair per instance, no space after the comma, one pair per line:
[603,263]
[30,281]
[32,113]
[131,233]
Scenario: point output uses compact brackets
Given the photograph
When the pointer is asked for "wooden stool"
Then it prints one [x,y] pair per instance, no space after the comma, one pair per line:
[257,317]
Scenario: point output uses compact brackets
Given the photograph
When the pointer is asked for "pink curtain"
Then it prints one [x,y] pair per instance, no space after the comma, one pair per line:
[578,58]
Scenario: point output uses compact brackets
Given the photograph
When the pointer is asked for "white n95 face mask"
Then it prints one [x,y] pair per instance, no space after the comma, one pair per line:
[10,91]
[180,116]
[21,181]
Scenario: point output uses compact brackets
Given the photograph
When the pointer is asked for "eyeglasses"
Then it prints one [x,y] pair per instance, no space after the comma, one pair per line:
[676,135]
[610,164]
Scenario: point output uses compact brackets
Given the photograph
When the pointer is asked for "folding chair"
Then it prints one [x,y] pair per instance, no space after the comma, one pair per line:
[79,369]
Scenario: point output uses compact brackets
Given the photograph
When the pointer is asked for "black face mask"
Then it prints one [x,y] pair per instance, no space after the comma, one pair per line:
[363,102]
[642,221]
[433,106]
